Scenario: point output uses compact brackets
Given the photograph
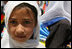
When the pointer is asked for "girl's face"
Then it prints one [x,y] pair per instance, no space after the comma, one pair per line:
[21,24]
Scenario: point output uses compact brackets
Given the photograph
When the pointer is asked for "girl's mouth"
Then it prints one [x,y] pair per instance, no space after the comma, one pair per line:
[21,36]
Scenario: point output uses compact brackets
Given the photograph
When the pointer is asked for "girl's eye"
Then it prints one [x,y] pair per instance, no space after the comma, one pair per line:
[27,22]
[13,22]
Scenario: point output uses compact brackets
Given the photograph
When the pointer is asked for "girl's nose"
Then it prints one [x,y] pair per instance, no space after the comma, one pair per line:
[20,31]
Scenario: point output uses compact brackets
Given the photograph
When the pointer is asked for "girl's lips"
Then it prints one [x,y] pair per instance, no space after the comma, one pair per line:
[21,36]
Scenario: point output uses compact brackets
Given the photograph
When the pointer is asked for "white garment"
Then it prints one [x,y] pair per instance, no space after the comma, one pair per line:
[7,41]
[59,9]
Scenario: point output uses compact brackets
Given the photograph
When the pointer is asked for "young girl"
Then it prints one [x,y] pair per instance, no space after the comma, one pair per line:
[21,19]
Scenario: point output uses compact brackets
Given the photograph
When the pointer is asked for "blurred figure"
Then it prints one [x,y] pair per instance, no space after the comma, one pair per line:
[58,21]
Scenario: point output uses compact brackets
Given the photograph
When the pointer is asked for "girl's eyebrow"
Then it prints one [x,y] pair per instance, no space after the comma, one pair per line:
[12,19]
[28,19]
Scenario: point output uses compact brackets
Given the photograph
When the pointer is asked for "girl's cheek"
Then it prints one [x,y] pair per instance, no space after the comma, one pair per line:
[29,32]
[29,35]
[11,30]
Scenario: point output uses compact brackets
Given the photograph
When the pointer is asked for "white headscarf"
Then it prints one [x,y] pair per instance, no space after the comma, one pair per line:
[59,9]
[12,43]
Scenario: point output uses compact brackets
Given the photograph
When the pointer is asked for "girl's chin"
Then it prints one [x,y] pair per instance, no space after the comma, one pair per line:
[20,39]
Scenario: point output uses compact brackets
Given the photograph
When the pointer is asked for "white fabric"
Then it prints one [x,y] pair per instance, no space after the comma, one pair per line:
[2,3]
[59,9]
[7,41]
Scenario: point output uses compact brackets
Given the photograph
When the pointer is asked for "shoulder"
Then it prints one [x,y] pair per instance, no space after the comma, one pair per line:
[62,23]
[60,32]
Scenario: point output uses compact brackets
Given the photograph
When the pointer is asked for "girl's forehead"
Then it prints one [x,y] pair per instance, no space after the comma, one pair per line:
[22,13]
[21,18]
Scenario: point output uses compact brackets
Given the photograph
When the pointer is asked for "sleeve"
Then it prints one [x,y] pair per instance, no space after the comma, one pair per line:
[60,35]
